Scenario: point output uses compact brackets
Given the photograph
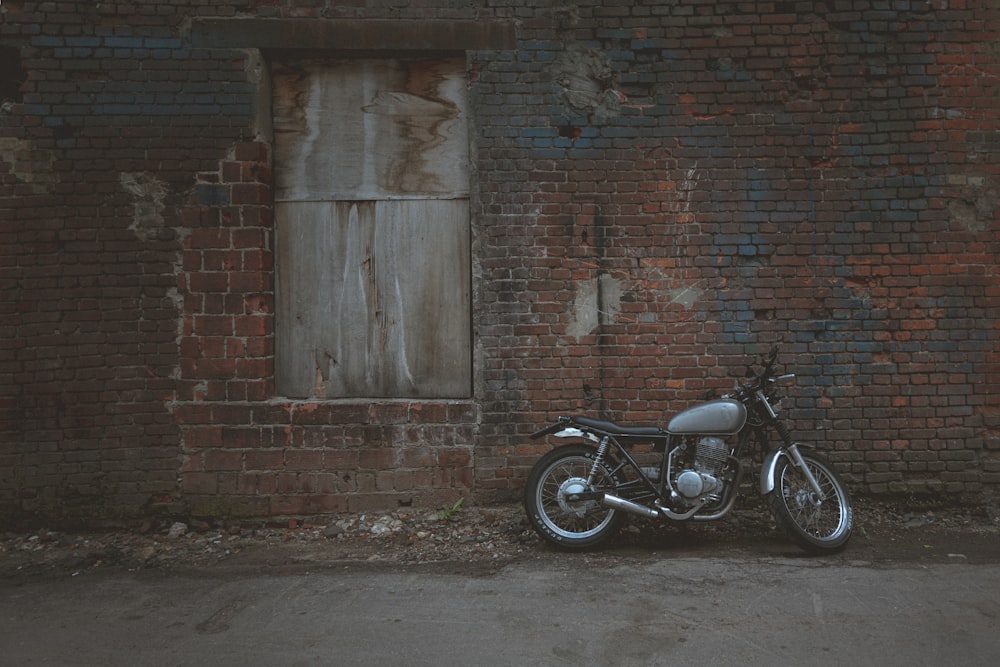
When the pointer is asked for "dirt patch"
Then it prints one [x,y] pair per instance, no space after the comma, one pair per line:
[484,539]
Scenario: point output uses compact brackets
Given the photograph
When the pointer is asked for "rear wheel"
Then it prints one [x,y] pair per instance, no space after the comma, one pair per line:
[554,511]
[818,524]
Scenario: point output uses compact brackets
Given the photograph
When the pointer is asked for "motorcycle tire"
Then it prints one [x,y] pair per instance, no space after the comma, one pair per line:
[568,524]
[817,526]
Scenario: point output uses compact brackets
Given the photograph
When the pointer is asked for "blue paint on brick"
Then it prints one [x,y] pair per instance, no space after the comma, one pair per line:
[547,153]
[162,109]
[83,41]
[171,44]
[617,56]
[212,195]
[540,45]
[619,132]
[760,191]
[647,44]
[539,132]
[124,42]
[116,109]
[47,42]
[201,109]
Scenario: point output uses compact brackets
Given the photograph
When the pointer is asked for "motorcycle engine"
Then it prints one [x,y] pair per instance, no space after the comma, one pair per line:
[711,455]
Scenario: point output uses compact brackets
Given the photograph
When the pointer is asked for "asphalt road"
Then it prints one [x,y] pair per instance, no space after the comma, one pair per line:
[564,610]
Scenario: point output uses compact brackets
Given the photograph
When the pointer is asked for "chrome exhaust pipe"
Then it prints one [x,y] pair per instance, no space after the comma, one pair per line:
[616,503]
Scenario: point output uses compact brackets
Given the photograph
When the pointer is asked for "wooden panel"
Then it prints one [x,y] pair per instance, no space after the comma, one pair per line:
[373,299]
[370,129]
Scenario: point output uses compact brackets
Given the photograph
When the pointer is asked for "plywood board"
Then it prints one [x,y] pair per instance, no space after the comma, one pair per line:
[370,129]
[373,299]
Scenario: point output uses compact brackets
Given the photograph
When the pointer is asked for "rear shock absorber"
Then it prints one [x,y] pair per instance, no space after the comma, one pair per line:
[602,449]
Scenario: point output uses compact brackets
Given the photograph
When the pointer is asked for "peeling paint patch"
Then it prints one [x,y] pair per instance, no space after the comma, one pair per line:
[28,164]
[585,80]
[977,206]
[686,296]
[148,204]
[598,301]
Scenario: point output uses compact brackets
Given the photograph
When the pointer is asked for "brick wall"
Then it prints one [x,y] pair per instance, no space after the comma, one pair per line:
[739,174]
[662,190]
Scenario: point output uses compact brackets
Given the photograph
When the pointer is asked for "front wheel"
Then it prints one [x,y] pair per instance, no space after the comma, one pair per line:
[817,524]
[551,504]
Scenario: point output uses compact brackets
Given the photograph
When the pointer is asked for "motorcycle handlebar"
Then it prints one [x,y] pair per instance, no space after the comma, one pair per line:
[759,380]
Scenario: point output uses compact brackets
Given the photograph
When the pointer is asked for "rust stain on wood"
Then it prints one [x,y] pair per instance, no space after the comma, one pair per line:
[398,127]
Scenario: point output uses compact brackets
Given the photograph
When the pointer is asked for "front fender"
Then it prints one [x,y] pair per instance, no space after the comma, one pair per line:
[770,465]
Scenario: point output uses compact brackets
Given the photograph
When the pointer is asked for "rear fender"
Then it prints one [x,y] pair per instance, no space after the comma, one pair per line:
[562,429]
[573,432]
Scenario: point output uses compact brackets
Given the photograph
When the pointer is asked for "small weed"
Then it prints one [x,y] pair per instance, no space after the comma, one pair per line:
[448,511]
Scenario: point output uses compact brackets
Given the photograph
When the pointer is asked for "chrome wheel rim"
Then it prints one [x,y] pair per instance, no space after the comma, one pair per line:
[562,516]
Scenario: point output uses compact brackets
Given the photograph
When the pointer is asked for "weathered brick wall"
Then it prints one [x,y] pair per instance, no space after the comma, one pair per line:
[661,189]
[106,116]
[716,177]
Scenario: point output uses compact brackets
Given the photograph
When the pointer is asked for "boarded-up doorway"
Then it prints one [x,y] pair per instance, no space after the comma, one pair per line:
[372,218]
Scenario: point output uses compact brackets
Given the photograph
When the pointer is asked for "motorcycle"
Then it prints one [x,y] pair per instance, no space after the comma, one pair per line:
[577,496]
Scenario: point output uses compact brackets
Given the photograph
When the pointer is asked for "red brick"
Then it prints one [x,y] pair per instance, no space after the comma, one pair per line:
[203,239]
[303,459]
[377,459]
[266,459]
[454,457]
[203,436]
[247,281]
[208,281]
[221,459]
[252,152]
[253,325]
[199,483]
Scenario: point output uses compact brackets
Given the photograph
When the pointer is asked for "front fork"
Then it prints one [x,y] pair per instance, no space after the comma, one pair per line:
[791,450]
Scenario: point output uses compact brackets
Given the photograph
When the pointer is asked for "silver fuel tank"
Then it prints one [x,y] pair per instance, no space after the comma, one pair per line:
[723,416]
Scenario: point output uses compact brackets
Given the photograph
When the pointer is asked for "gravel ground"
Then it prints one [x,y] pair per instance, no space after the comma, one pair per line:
[485,537]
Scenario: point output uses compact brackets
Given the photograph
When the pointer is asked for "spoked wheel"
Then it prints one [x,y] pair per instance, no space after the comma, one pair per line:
[817,524]
[552,506]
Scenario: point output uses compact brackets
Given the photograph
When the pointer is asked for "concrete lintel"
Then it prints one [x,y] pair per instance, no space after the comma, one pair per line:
[362,35]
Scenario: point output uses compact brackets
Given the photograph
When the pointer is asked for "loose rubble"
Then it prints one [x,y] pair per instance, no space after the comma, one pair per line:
[498,533]
[486,536]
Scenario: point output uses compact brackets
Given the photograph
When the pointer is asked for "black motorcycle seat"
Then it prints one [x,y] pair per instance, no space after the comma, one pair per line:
[615,429]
